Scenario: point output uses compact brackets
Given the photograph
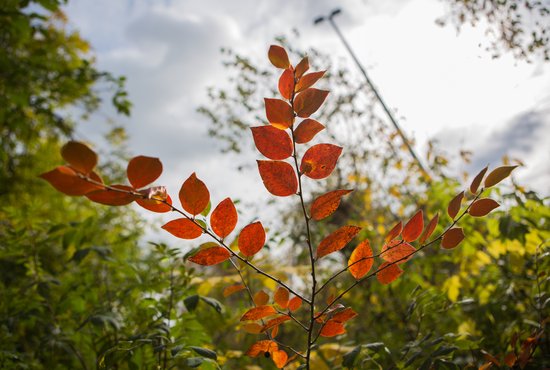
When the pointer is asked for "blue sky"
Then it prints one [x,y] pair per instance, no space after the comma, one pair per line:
[442,85]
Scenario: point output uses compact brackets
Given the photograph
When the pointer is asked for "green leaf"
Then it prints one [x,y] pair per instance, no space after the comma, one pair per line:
[350,357]
[214,303]
[194,361]
[205,352]
[191,302]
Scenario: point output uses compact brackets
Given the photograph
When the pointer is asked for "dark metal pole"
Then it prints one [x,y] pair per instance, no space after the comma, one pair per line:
[390,115]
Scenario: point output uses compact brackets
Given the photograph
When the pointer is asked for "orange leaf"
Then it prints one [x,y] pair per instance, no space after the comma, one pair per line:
[251,239]
[326,204]
[155,205]
[183,228]
[510,359]
[454,205]
[224,218]
[280,358]
[332,328]
[143,170]
[79,156]
[308,101]
[228,290]
[272,142]
[278,57]
[279,177]
[301,67]
[474,186]
[306,130]
[388,272]
[398,251]
[275,331]
[210,256]
[262,347]
[294,303]
[66,180]
[257,313]
[286,84]
[276,321]
[308,80]
[253,328]
[430,228]
[319,161]
[498,174]
[279,113]
[394,232]
[360,261]
[261,298]
[482,207]
[113,197]
[194,195]
[344,315]
[413,228]
[452,238]
[281,297]
[337,240]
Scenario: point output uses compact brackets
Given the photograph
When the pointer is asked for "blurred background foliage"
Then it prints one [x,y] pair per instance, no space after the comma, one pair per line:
[78,290]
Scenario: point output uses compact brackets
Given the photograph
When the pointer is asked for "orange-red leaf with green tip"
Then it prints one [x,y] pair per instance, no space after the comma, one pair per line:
[154,205]
[231,289]
[279,113]
[482,207]
[454,205]
[194,195]
[413,228]
[395,231]
[272,142]
[66,180]
[398,251]
[251,239]
[113,197]
[360,261]
[224,218]
[210,256]
[286,84]
[308,80]
[430,228]
[302,67]
[388,273]
[306,130]
[143,170]
[320,160]
[344,315]
[183,228]
[257,313]
[474,186]
[326,204]
[79,156]
[452,238]
[281,297]
[309,101]
[280,358]
[332,328]
[498,174]
[278,177]
[278,57]
[294,303]
[337,240]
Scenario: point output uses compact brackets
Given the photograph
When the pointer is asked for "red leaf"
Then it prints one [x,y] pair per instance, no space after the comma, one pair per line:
[210,256]
[279,177]
[301,67]
[332,328]
[308,101]
[280,358]
[360,261]
[281,297]
[394,232]
[231,289]
[194,195]
[388,272]
[397,251]
[413,228]
[257,313]
[286,84]
[272,142]
[430,228]
[344,315]
[474,186]
[452,238]
[79,156]
[155,205]
[337,240]
[183,228]
[224,218]
[326,204]
[279,113]
[278,57]
[320,160]
[454,205]
[482,207]
[113,197]
[143,170]
[66,180]
[294,303]
[274,322]
[497,175]
[251,239]
[308,80]
[306,130]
